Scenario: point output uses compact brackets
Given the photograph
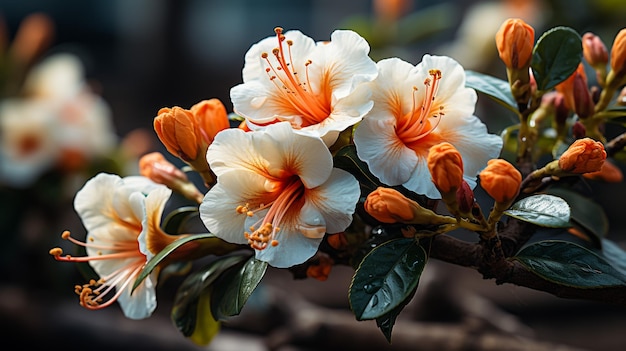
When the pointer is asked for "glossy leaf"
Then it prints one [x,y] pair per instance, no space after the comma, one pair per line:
[190,294]
[585,212]
[386,322]
[570,264]
[543,210]
[386,277]
[556,56]
[347,159]
[158,258]
[235,287]
[495,88]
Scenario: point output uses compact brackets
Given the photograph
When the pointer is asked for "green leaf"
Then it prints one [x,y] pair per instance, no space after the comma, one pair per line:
[556,56]
[615,255]
[385,277]
[154,261]
[495,88]
[176,219]
[235,287]
[206,326]
[570,264]
[585,212]
[543,210]
[347,159]
[189,295]
[386,322]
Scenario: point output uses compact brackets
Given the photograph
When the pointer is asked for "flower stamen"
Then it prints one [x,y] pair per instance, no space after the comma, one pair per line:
[419,122]
[311,107]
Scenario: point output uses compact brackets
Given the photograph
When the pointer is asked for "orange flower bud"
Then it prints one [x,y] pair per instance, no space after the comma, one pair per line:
[320,270]
[446,167]
[584,155]
[501,180]
[515,41]
[338,241]
[618,53]
[609,173]
[574,88]
[594,50]
[388,206]
[155,167]
[211,118]
[175,128]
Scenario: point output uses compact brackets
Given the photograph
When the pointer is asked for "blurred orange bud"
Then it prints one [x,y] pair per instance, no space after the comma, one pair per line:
[337,241]
[609,173]
[574,87]
[446,167]
[584,155]
[388,206]
[33,37]
[515,41]
[501,180]
[320,270]
[594,51]
[391,10]
[155,167]
[618,53]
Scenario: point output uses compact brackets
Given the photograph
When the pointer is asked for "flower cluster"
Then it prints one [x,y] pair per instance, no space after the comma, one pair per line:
[324,143]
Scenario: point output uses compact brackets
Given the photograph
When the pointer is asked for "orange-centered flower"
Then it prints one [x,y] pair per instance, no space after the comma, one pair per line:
[515,41]
[501,180]
[584,155]
[122,217]
[416,108]
[277,191]
[313,86]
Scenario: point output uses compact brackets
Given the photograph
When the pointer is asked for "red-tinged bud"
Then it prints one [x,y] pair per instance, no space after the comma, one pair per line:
[578,130]
[465,198]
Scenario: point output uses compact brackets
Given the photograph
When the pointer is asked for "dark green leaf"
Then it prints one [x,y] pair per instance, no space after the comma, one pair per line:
[585,212]
[347,159]
[150,265]
[543,210]
[495,88]
[386,322]
[615,255]
[385,277]
[556,56]
[185,308]
[235,287]
[570,264]
[176,219]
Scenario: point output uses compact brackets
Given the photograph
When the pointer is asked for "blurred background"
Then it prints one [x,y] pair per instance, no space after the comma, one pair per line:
[129,58]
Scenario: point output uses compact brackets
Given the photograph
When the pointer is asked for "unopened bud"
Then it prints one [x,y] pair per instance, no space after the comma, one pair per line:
[390,206]
[155,167]
[596,54]
[501,180]
[515,41]
[465,198]
[608,173]
[583,156]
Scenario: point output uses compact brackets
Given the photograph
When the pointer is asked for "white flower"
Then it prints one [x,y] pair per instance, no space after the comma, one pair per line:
[416,107]
[317,87]
[122,218]
[277,191]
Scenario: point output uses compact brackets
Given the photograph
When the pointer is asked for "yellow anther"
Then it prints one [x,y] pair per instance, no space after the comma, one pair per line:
[65,235]
[57,251]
